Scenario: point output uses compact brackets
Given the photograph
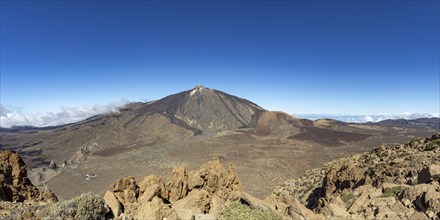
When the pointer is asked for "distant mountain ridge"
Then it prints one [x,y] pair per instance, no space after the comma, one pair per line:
[367,118]
[422,122]
[432,123]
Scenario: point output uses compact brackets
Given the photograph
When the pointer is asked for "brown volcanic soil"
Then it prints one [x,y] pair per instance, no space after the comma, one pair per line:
[328,137]
[262,162]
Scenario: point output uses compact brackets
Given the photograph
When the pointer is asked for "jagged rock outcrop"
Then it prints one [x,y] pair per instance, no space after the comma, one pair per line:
[19,198]
[192,195]
[15,185]
[185,195]
[400,182]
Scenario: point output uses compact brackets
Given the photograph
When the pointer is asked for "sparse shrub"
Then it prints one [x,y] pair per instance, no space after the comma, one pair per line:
[369,160]
[238,211]
[393,191]
[346,196]
[392,157]
[85,206]
[432,145]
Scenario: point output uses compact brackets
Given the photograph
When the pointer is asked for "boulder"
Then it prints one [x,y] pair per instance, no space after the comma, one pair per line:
[346,175]
[155,209]
[52,165]
[384,212]
[338,212]
[15,185]
[398,207]
[149,193]
[126,190]
[432,200]
[177,187]
[151,180]
[194,180]
[251,201]
[113,203]
[418,216]
[196,202]
[424,196]
[429,174]
[430,214]
[289,207]
[358,203]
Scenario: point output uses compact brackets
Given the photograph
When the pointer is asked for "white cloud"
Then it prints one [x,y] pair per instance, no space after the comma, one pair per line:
[10,115]
[368,118]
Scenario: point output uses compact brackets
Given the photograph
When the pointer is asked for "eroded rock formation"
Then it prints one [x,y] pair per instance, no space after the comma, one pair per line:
[15,185]
[192,195]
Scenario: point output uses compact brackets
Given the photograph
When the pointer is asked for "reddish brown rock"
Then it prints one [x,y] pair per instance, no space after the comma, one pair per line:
[126,190]
[149,181]
[177,187]
[201,193]
[15,186]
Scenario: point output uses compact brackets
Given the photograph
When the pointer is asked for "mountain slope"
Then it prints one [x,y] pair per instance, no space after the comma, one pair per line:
[193,112]
[204,109]
[428,123]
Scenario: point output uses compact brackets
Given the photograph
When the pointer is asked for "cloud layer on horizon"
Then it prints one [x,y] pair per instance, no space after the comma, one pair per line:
[12,116]
[368,118]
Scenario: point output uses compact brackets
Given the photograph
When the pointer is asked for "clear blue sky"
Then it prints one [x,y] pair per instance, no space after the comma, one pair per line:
[356,57]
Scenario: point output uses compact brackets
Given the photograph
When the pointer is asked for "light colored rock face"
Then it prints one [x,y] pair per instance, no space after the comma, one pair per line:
[290,208]
[150,193]
[15,186]
[148,182]
[400,182]
[155,209]
[196,202]
[434,171]
[113,203]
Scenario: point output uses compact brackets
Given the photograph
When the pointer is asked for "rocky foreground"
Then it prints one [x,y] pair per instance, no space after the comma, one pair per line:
[400,182]
[204,194]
